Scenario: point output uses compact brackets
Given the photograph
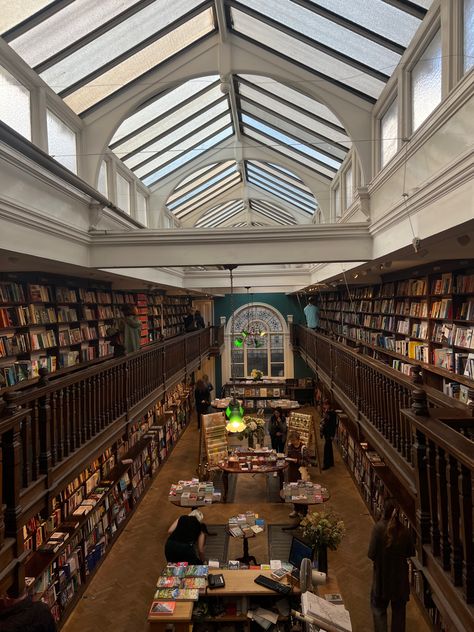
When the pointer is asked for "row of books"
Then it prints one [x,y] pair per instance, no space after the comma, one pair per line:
[11,292]
[26,369]
[452,334]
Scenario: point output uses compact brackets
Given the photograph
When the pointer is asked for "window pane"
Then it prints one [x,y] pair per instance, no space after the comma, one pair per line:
[61,142]
[277,355]
[102,184]
[257,359]
[123,194]
[337,201]
[426,82]
[278,370]
[238,370]
[237,355]
[141,208]
[277,341]
[468,34]
[14,12]
[389,134]
[14,104]
[348,185]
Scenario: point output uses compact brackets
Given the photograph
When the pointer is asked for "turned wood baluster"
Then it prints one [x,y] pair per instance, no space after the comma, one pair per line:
[35,444]
[466,531]
[400,404]
[59,425]
[380,422]
[55,429]
[26,449]
[11,448]
[2,522]
[74,438]
[95,405]
[384,409]
[442,497]
[45,460]
[88,410]
[126,385]
[68,421]
[419,407]
[393,409]
[408,437]
[454,521]
[433,487]
[363,378]
[100,400]
[109,406]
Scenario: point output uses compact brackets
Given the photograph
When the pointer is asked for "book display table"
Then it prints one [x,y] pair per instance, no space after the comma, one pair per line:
[245,526]
[193,494]
[255,462]
[284,404]
[303,494]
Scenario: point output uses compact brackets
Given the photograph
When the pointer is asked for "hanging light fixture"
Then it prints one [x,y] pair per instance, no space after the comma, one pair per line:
[234,411]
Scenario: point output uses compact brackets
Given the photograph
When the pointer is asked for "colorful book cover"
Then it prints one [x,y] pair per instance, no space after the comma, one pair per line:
[168,582]
[177,594]
[194,583]
[199,570]
[162,607]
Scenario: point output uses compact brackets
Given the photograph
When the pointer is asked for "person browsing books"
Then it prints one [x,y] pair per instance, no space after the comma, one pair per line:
[390,546]
[202,397]
[296,457]
[311,313]
[327,431]
[185,542]
[19,613]
[277,429]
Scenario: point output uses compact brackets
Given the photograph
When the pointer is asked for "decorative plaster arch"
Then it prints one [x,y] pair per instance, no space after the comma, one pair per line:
[247,58]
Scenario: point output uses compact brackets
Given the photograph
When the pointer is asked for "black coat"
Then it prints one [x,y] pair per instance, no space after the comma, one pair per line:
[27,616]
[203,400]
[329,424]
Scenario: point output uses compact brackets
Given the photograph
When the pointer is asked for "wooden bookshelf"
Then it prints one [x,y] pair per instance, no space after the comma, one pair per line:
[166,316]
[93,508]
[256,395]
[425,320]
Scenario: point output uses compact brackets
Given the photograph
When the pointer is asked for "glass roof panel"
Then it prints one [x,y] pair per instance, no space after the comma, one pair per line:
[328,33]
[306,55]
[210,171]
[157,159]
[63,28]
[294,97]
[305,197]
[274,189]
[326,152]
[217,187]
[283,174]
[161,106]
[109,81]
[296,116]
[113,43]
[187,156]
[220,213]
[378,16]
[174,136]
[287,152]
[291,141]
[273,211]
[14,12]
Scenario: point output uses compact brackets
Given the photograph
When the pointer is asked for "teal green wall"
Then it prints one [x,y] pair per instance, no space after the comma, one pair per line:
[284,304]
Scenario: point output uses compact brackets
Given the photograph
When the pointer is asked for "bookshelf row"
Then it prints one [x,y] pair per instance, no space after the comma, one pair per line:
[87,516]
[427,321]
[53,323]
[376,483]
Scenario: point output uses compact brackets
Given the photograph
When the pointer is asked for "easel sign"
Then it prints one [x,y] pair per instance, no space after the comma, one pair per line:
[303,424]
[215,438]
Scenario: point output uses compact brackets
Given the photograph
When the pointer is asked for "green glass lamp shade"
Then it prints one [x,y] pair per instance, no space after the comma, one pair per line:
[235,412]
[238,342]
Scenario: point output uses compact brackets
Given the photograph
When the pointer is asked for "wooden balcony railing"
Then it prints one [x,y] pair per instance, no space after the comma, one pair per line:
[427,446]
[50,432]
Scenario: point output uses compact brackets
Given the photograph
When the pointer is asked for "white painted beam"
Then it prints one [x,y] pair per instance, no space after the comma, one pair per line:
[300,244]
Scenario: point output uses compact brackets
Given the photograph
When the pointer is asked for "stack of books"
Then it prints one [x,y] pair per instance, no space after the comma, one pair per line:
[246,525]
[181,582]
[305,491]
[194,493]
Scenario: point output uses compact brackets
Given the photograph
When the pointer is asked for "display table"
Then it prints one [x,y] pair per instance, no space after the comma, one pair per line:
[241,466]
[301,501]
[284,404]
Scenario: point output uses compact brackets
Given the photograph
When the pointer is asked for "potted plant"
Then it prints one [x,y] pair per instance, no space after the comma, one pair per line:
[256,374]
[254,429]
[325,530]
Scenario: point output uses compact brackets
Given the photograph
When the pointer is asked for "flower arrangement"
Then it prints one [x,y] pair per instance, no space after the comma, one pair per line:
[256,374]
[254,428]
[323,529]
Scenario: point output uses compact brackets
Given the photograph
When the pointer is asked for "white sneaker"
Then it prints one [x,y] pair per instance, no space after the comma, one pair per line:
[293,514]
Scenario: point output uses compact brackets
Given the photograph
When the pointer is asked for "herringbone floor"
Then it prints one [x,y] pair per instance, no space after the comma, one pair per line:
[119,595]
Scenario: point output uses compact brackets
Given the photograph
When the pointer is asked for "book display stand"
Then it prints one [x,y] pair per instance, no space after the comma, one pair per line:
[214,443]
[304,424]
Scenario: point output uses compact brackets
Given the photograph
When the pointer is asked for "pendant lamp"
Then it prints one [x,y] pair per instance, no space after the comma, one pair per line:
[234,411]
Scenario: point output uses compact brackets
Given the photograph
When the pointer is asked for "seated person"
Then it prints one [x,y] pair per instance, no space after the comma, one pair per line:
[186,541]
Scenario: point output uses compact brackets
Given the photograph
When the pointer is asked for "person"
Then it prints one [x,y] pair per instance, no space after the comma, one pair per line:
[390,546]
[202,397]
[19,613]
[125,335]
[205,379]
[327,431]
[185,542]
[188,321]
[277,430]
[311,313]
[198,320]
[297,457]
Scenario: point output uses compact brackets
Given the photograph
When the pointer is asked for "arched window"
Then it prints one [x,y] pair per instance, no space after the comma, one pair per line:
[264,347]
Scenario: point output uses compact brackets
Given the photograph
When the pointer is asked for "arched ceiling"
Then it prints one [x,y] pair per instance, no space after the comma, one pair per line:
[92,53]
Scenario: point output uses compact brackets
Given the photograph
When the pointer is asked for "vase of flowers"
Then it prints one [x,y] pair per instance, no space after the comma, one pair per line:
[254,430]
[256,374]
[325,530]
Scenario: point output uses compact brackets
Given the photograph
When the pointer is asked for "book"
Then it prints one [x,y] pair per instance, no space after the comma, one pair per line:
[325,612]
[162,607]
[335,598]
[177,594]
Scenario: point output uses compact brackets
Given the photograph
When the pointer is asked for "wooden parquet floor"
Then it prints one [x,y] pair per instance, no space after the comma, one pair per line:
[120,593]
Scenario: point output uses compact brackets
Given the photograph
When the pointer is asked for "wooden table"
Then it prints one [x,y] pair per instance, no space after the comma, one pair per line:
[234,467]
[246,557]
[304,504]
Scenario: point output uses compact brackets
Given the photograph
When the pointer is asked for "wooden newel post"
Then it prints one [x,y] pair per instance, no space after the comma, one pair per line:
[419,407]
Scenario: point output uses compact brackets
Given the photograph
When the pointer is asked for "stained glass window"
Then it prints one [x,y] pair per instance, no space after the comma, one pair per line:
[468,30]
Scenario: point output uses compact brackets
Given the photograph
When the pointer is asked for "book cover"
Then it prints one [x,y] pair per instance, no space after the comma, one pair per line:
[162,607]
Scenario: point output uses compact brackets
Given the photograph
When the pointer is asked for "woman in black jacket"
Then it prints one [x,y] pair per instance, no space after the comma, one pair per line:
[327,430]
[277,430]
[202,396]
[185,541]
